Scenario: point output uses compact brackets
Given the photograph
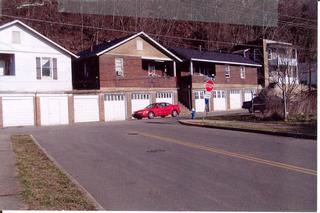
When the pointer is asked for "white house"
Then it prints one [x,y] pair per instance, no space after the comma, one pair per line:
[30,62]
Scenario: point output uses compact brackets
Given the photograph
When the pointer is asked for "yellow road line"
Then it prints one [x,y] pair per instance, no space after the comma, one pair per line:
[233,154]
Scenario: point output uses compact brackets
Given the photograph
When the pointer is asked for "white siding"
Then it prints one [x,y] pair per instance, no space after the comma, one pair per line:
[25,53]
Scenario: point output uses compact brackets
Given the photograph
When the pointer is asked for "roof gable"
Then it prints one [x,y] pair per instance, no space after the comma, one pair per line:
[21,24]
[106,47]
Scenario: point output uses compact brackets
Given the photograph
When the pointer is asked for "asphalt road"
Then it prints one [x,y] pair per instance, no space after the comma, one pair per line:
[161,165]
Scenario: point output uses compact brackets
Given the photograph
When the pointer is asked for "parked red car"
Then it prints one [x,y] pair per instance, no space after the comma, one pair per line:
[156,110]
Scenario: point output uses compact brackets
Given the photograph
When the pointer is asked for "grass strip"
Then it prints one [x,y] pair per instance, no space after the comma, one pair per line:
[44,186]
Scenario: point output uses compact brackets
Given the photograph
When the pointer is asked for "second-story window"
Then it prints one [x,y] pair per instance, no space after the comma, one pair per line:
[242,72]
[227,72]
[119,66]
[46,68]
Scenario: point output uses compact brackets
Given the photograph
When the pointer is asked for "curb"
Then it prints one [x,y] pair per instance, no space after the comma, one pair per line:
[284,134]
[73,180]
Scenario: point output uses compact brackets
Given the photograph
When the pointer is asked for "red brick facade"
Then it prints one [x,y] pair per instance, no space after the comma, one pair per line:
[251,75]
[134,74]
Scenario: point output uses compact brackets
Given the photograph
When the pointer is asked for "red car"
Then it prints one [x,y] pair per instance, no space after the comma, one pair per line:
[156,110]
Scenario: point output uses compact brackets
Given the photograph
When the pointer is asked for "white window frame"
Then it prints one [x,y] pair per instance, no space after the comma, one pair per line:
[227,72]
[139,44]
[9,66]
[242,72]
[51,67]
[119,69]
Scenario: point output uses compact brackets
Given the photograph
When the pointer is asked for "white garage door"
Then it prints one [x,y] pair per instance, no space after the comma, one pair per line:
[219,100]
[139,101]
[86,108]
[199,101]
[18,111]
[248,95]
[166,97]
[54,110]
[114,107]
[235,99]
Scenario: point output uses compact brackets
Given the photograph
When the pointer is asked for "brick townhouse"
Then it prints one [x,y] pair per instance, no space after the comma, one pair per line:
[235,79]
[128,74]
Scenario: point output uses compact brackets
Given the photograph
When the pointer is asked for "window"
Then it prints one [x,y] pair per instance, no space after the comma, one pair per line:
[7,64]
[269,54]
[139,45]
[242,72]
[227,71]
[16,37]
[119,66]
[46,68]
[151,70]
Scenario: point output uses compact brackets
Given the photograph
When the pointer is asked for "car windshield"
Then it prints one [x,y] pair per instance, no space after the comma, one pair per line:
[151,106]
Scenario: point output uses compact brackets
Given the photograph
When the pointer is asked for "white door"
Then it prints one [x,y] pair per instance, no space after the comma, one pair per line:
[139,101]
[166,97]
[219,100]
[114,107]
[54,110]
[86,108]
[18,111]
[199,101]
[235,99]
[248,95]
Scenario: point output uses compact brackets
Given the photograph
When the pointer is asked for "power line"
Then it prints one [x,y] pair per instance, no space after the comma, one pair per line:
[129,32]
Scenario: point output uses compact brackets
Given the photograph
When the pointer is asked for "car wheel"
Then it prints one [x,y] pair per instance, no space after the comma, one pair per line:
[151,115]
[174,113]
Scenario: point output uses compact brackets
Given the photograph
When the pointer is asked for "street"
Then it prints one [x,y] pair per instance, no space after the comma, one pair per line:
[161,165]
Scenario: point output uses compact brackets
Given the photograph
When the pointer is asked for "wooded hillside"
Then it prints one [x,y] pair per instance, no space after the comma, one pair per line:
[297,24]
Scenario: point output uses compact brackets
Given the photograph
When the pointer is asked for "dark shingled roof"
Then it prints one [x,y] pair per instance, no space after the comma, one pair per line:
[100,47]
[187,54]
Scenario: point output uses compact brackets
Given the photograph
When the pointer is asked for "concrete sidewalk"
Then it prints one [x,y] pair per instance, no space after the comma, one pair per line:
[262,128]
[10,198]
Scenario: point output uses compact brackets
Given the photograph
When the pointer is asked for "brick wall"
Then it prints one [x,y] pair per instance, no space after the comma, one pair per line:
[134,75]
[251,76]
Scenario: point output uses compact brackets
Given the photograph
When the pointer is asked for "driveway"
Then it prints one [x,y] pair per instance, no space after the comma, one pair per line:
[161,165]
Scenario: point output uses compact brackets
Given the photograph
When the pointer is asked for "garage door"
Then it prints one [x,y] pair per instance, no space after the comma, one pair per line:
[114,107]
[54,110]
[199,101]
[248,95]
[86,108]
[235,99]
[139,101]
[219,100]
[18,111]
[166,97]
